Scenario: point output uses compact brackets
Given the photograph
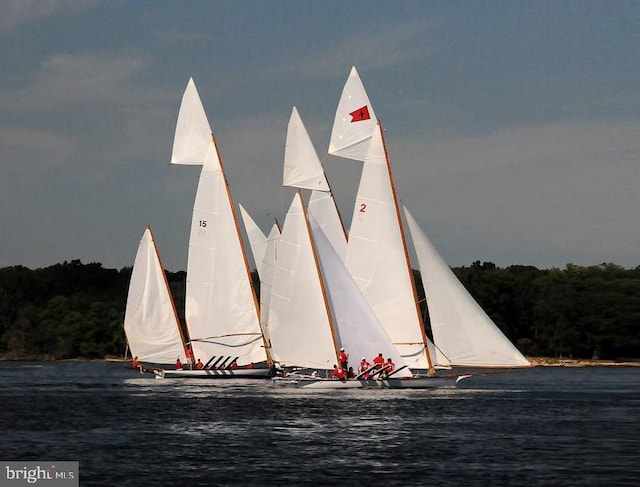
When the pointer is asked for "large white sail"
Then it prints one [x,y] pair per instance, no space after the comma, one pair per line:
[303,169]
[354,122]
[461,329]
[150,322]
[193,133]
[357,326]
[300,324]
[221,308]
[378,261]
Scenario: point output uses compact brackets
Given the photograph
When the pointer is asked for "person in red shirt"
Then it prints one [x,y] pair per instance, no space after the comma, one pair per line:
[178,364]
[234,364]
[199,365]
[339,373]
[389,367]
[136,365]
[343,358]
[364,365]
[378,361]
[189,354]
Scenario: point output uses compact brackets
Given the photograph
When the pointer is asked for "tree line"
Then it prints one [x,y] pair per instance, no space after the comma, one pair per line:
[75,310]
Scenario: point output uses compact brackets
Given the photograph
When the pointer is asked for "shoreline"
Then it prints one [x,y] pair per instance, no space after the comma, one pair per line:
[570,362]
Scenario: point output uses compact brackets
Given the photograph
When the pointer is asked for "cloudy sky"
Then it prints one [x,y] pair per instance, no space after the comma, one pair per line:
[513,127]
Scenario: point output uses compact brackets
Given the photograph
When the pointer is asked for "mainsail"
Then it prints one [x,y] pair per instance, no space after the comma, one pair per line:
[221,307]
[300,323]
[378,261]
[461,329]
[150,322]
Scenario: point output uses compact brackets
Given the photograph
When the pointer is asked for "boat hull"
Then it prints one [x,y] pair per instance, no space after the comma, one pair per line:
[406,383]
[214,374]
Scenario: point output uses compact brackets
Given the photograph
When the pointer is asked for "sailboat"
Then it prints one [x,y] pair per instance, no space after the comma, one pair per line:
[378,258]
[221,307]
[151,321]
[311,270]
[377,254]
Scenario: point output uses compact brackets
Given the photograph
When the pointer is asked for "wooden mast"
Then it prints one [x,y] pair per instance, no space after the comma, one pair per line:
[166,282]
[332,326]
[244,254]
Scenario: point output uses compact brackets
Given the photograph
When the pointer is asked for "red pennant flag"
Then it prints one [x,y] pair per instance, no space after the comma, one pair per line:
[360,114]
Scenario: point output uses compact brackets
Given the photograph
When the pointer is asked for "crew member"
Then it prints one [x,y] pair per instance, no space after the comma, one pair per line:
[364,366]
[389,367]
[378,361]
[189,354]
[343,358]
[199,364]
[178,364]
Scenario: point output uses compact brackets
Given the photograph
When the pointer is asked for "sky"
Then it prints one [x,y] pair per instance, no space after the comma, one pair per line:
[513,128]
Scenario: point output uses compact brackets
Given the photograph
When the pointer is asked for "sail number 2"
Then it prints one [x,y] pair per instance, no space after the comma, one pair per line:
[363,207]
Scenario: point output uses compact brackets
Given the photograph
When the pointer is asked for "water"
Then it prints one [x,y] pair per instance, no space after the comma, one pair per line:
[537,427]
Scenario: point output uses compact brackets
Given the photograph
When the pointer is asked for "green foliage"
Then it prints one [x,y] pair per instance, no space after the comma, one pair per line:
[77,310]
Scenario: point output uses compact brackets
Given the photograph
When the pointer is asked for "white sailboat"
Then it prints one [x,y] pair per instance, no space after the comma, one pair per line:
[377,255]
[461,329]
[221,307]
[378,258]
[151,322]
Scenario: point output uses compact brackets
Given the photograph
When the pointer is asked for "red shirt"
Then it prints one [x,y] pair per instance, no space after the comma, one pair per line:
[338,373]
[364,365]
[199,365]
[343,357]
[178,365]
[389,367]
[378,362]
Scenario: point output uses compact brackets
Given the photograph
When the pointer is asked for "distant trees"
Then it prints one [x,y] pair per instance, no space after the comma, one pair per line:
[74,310]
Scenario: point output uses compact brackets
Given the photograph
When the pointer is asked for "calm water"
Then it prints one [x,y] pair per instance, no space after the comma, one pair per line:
[537,427]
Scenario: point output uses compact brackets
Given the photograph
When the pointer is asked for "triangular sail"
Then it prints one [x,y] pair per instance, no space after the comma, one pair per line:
[221,308]
[358,329]
[461,329]
[300,324]
[257,239]
[303,169]
[354,122]
[378,260]
[151,323]
[193,132]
